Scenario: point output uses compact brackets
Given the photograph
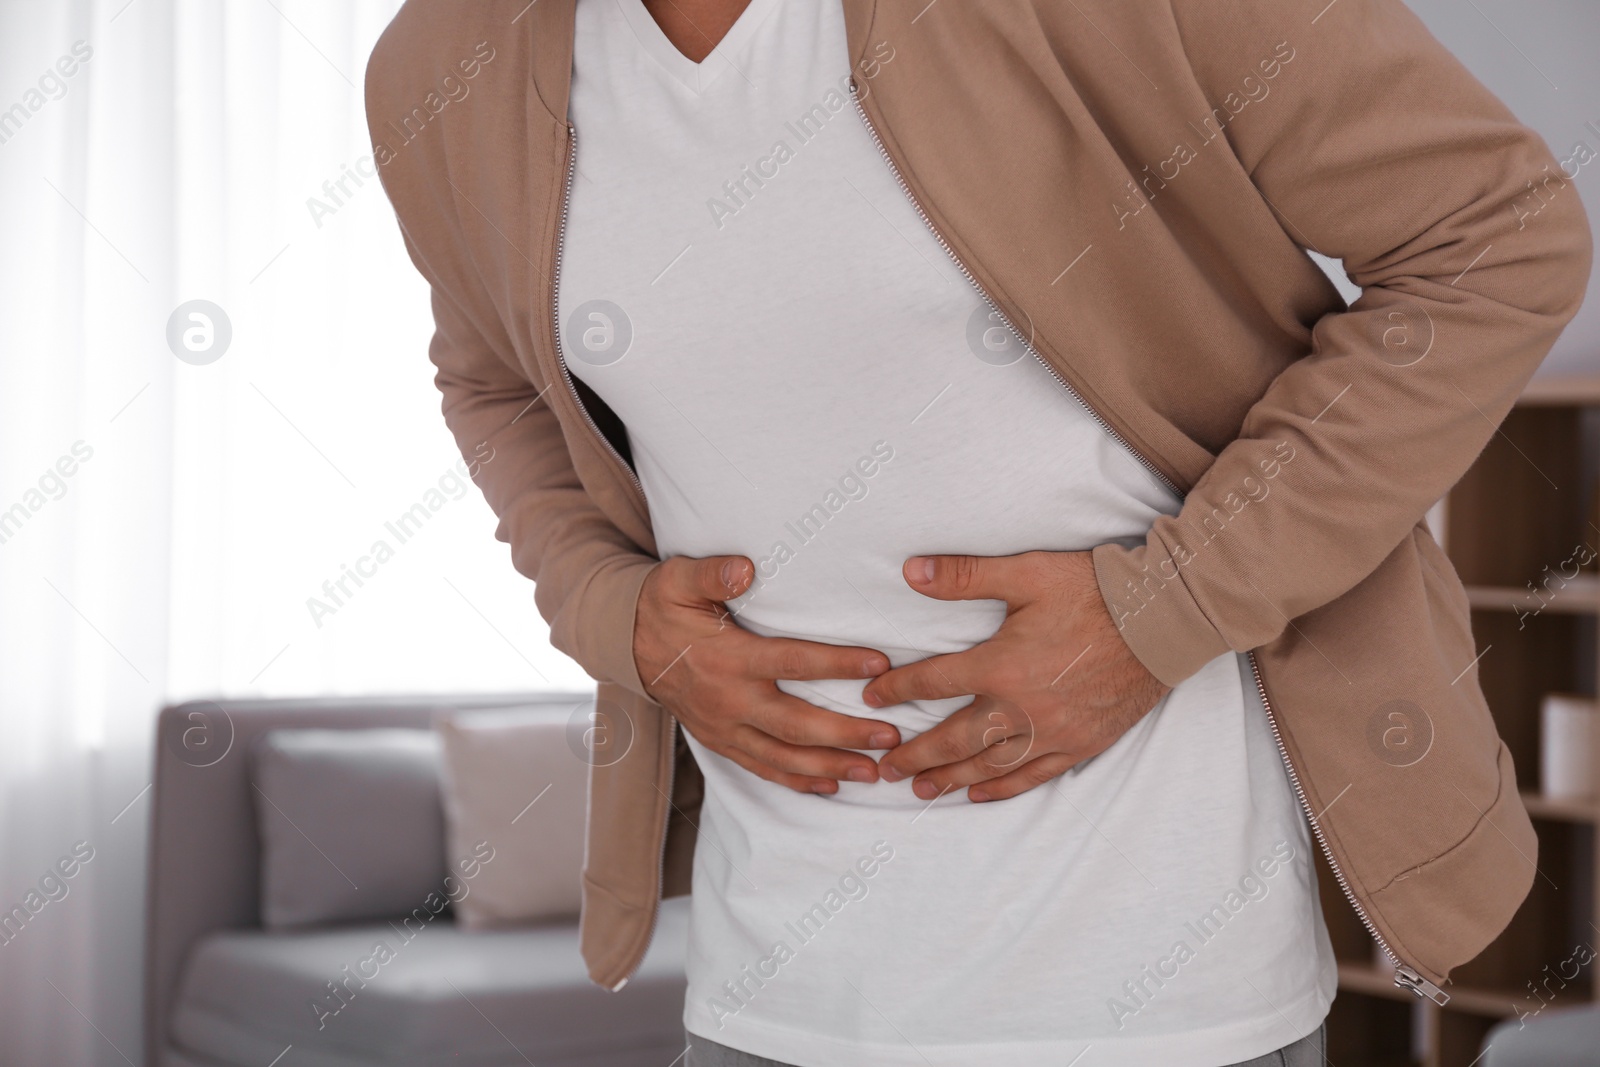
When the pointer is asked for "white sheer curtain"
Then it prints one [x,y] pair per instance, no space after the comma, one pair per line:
[165,523]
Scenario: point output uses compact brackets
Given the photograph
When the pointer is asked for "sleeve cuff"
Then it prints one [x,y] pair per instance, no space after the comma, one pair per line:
[1154,611]
[605,635]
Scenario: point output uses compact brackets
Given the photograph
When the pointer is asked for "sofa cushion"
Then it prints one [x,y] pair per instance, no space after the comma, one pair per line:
[1558,1039]
[512,782]
[445,996]
[351,824]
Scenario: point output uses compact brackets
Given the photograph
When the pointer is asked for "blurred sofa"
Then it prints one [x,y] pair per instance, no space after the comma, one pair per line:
[1566,1038]
[221,991]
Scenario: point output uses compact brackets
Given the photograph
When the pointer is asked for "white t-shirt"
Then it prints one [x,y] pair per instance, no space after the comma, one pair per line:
[808,380]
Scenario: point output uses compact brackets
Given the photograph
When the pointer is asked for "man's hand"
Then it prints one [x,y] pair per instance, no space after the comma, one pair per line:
[719,680]
[1053,687]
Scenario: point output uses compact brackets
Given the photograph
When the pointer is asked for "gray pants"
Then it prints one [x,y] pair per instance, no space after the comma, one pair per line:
[1309,1051]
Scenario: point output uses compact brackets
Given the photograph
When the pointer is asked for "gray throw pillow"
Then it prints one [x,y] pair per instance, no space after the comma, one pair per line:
[515,798]
[351,825]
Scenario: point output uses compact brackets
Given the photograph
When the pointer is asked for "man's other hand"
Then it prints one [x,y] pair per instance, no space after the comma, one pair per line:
[1053,687]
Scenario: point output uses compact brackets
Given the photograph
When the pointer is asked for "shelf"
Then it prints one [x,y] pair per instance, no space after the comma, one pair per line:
[1371,980]
[1581,595]
[1574,391]
[1493,1003]
[1564,809]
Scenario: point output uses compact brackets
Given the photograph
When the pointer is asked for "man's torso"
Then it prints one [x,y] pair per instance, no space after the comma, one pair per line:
[807,379]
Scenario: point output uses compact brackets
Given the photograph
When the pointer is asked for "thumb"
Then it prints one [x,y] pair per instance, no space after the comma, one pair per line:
[963,577]
[721,578]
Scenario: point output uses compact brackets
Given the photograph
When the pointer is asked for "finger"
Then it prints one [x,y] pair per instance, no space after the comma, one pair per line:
[1030,775]
[800,723]
[809,761]
[785,657]
[798,782]
[933,678]
[968,577]
[716,578]
[980,725]
[1001,739]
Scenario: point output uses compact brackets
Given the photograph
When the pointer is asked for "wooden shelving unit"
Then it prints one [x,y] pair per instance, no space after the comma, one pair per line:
[1526,505]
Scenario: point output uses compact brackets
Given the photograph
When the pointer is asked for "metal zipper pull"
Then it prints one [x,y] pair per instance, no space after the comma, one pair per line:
[1406,978]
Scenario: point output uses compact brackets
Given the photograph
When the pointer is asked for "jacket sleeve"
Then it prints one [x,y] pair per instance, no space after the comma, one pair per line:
[586,571]
[1472,250]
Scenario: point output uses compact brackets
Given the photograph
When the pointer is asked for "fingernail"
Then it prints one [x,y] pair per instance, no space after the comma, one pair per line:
[978,796]
[889,774]
[925,790]
[862,774]
[727,574]
[883,739]
[921,568]
[825,789]
[871,699]
[872,666]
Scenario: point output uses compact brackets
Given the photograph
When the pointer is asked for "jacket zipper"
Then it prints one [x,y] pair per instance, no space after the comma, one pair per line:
[555,312]
[661,857]
[566,376]
[1405,976]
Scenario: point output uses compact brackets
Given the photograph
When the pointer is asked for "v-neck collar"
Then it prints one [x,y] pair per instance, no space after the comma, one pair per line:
[696,77]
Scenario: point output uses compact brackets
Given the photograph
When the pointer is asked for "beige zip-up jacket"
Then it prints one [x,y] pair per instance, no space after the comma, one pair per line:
[1134,186]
